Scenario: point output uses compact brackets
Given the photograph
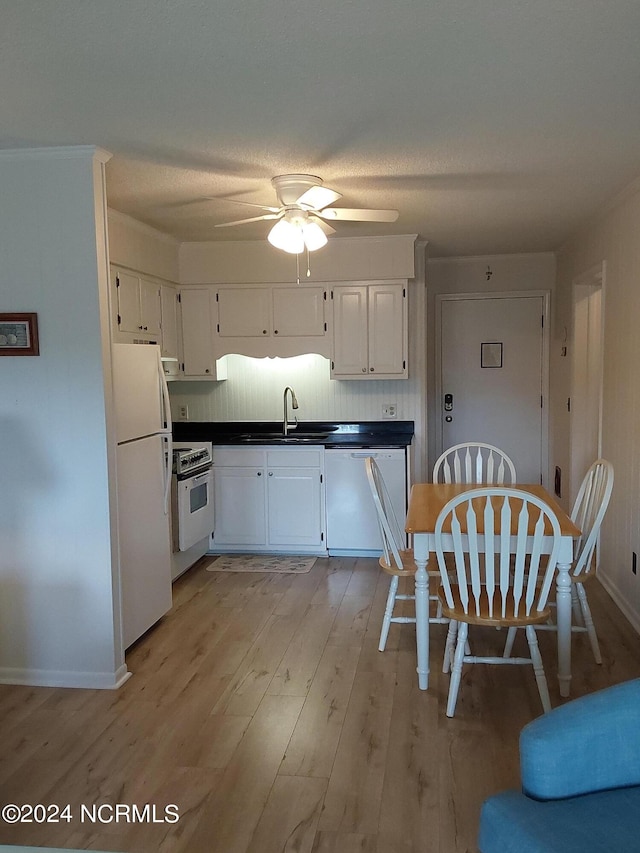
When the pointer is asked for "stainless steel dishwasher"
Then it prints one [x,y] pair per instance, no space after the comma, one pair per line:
[352,526]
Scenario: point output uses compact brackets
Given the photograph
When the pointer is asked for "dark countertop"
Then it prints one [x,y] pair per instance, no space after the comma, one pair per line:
[387,433]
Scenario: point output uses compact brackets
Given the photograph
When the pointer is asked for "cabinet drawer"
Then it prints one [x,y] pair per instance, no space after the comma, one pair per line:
[238,457]
[295,458]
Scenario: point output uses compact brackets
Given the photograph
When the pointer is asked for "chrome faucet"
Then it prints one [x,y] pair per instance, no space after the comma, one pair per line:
[294,405]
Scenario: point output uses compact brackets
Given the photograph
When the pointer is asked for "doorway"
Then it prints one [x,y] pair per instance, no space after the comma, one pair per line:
[586,373]
[492,375]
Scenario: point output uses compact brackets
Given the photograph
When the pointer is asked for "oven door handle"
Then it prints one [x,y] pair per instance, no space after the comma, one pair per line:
[200,478]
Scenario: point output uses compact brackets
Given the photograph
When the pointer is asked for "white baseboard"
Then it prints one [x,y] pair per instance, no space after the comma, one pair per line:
[54,678]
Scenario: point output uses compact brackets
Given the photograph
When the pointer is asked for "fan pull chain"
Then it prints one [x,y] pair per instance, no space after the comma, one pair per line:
[298,269]
[308,264]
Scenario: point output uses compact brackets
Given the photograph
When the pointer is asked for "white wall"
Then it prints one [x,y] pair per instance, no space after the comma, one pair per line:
[58,613]
[135,245]
[342,259]
[613,237]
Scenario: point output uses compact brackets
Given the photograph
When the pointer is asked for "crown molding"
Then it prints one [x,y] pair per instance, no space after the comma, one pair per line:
[64,152]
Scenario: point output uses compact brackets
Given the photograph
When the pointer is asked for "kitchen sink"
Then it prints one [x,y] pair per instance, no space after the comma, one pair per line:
[291,438]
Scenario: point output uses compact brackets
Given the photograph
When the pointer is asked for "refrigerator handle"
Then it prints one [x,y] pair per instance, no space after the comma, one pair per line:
[166,400]
[167,432]
[168,466]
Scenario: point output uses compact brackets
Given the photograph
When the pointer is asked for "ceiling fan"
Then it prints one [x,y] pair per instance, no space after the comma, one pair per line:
[303,213]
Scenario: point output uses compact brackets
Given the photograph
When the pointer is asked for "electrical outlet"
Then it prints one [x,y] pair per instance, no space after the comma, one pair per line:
[183,413]
[389,410]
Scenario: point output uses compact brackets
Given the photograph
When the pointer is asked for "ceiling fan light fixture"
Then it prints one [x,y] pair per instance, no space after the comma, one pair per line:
[314,237]
[287,237]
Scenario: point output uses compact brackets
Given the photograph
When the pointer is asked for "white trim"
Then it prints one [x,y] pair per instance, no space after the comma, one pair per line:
[545,295]
[593,277]
[419,371]
[63,152]
[63,678]
[384,238]
[473,259]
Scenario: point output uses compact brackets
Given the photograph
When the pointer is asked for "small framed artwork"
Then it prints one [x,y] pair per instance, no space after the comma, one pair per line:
[491,355]
[19,334]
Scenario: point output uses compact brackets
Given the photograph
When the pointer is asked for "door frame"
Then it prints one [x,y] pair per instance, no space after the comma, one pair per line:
[545,295]
[590,281]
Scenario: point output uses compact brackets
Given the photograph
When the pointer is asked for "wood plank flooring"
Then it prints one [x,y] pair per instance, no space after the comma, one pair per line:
[261,707]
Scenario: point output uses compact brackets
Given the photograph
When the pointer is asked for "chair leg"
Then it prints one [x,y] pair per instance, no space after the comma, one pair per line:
[456,672]
[508,646]
[588,622]
[388,613]
[577,614]
[449,646]
[538,668]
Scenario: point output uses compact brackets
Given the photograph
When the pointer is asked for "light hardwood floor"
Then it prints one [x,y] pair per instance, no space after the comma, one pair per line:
[262,709]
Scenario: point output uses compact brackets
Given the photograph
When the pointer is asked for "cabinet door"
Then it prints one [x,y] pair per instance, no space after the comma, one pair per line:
[350,343]
[128,296]
[240,506]
[294,507]
[197,332]
[298,311]
[150,310]
[244,312]
[387,329]
[169,332]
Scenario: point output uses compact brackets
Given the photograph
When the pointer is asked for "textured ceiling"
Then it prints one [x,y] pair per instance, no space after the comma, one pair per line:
[494,126]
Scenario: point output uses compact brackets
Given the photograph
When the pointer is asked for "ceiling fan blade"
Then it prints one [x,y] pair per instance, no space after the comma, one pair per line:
[318,197]
[238,201]
[328,229]
[358,215]
[251,219]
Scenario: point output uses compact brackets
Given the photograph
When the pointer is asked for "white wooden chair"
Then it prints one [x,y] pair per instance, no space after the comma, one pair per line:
[396,560]
[588,511]
[502,578]
[474,462]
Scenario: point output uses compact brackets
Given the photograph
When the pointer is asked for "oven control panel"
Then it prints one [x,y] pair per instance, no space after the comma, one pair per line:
[188,457]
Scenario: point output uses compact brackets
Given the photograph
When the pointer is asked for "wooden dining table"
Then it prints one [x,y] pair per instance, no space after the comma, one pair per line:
[425,503]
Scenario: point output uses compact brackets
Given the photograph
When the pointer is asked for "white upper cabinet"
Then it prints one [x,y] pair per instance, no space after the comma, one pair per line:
[370,331]
[138,311]
[197,313]
[280,320]
[244,312]
[169,336]
[299,311]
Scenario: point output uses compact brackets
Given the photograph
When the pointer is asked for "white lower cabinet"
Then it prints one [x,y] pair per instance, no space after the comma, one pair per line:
[269,499]
[240,503]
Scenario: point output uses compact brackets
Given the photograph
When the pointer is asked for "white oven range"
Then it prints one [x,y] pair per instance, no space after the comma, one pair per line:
[192,497]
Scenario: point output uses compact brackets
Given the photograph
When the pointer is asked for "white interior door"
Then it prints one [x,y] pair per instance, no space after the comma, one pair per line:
[492,376]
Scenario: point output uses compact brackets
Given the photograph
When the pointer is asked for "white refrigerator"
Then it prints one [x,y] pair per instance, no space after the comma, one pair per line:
[144,461]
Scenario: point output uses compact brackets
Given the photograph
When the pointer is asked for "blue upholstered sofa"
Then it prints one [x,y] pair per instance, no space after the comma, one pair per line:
[580,769]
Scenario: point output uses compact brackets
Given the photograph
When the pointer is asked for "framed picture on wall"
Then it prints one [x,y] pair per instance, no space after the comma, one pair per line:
[19,334]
